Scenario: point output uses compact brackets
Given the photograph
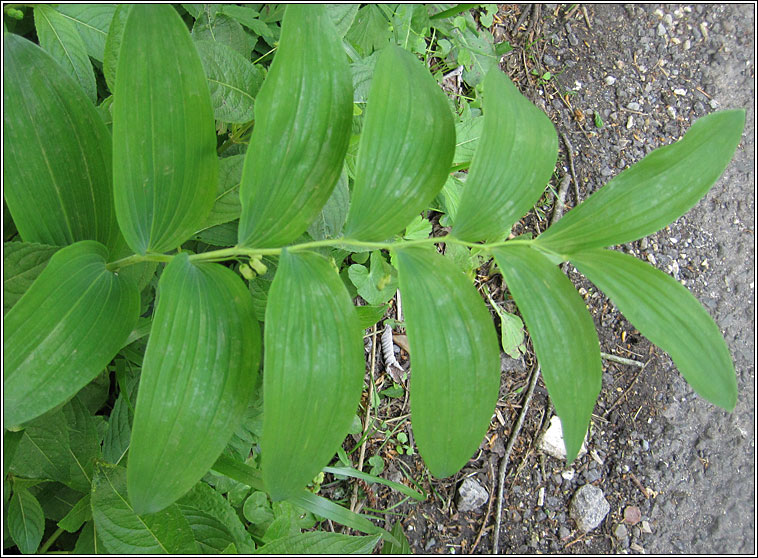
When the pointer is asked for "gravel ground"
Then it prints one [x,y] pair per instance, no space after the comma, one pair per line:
[678,473]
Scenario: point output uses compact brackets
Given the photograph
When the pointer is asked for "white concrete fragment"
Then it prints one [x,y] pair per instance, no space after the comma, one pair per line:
[552,443]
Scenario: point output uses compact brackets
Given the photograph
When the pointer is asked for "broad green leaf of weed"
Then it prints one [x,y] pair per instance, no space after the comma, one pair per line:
[218,27]
[233,81]
[418,229]
[22,264]
[43,450]
[26,521]
[511,333]
[378,285]
[370,30]
[321,542]
[208,511]
[125,532]
[88,541]
[329,222]
[467,134]
[79,514]
[59,37]
[92,21]
[84,444]
[369,315]
[342,16]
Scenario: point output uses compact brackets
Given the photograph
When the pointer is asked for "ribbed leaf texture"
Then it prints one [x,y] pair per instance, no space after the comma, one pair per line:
[233,81]
[513,163]
[124,531]
[57,152]
[164,140]
[455,359]
[666,313]
[302,128]
[92,21]
[198,377]
[66,328]
[321,542]
[313,371]
[563,336]
[406,148]
[652,193]
[25,521]
[59,37]
[22,264]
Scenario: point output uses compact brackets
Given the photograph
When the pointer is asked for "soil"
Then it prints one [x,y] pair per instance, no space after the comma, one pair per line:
[647,72]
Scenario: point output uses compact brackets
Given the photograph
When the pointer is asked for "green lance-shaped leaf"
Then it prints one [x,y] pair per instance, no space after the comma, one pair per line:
[666,313]
[26,521]
[302,128]
[198,377]
[563,336]
[58,36]
[57,152]
[651,194]
[164,142]
[66,328]
[124,531]
[313,371]
[455,358]
[406,148]
[513,162]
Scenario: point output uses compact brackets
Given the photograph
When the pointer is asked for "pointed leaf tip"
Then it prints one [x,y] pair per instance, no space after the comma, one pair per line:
[199,375]
[313,371]
[455,359]
[406,147]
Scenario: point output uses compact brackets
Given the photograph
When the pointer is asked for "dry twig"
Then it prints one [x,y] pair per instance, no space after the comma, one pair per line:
[367,419]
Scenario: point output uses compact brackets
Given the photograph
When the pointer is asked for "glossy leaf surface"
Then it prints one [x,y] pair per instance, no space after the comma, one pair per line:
[124,531]
[303,118]
[58,36]
[514,160]
[668,315]
[455,359]
[313,371]
[654,192]
[164,141]
[66,328]
[563,336]
[406,147]
[57,154]
[198,376]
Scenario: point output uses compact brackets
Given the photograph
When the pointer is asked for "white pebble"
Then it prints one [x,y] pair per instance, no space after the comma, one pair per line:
[630,122]
[610,80]
[681,92]
[651,259]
